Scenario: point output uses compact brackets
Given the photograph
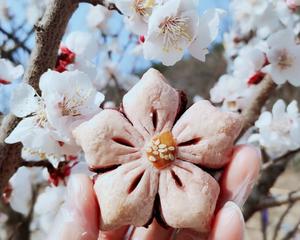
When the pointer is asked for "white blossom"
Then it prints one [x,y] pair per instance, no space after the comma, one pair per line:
[176,26]
[79,49]
[284,57]
[67,100]
[21,196]
[83,44]
[34,131]
[231,92]
[234,90]
[9,72]
[21,184]
[245,13]
[249,61]
[97,17]
[279,130]
[137,13]
[70,98]
[46,208]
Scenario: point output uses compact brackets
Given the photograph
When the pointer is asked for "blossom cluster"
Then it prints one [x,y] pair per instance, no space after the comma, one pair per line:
[263,43]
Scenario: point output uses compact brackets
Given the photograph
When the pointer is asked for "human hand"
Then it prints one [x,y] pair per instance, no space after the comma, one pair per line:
[78,219]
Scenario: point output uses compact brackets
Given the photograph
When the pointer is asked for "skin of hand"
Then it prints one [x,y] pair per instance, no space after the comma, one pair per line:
[78,218]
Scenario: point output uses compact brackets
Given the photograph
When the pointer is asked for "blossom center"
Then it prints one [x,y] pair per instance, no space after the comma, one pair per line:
[143,7]
[161,150]
[41,116]
[284,60]
[71,106]
[173,29]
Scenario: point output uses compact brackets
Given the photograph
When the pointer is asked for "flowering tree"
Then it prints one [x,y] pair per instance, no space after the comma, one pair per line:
[72,76]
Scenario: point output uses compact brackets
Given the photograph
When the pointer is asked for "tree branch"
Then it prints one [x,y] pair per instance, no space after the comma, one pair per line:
[281,219]
[292,233]
[266,181]
[262,94]
[49,32]
[41,163]
[276,201]
[15,39]
[108,5]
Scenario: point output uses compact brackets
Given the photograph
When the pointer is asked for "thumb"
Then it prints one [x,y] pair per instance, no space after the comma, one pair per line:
[78,217]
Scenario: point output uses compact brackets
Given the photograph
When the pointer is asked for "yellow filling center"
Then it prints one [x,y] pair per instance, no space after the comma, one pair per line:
[162,149]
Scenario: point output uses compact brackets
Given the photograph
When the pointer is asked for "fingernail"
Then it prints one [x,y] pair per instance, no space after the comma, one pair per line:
[246,186]
[231,224]
[244,190]
[232,208]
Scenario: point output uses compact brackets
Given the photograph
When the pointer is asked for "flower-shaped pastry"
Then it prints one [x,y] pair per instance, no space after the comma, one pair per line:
[153,161]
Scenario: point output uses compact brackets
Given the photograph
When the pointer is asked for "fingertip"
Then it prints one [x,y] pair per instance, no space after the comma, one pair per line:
[78,217]
[154,231]
[229,223]
[240,175]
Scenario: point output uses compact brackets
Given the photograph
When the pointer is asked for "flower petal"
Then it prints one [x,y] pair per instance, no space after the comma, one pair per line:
[205,135]
[208,30]
[23,101]
[188,196]
[21,131]
[152,104]
[278,109]
[126,195]
[108,139]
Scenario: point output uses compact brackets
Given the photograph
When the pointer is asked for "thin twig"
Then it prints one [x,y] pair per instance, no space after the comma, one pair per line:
[281,219]
[266,181]
[108,5]
[276,201]
[41,163]
[15,39]
[258,100]
[292,233]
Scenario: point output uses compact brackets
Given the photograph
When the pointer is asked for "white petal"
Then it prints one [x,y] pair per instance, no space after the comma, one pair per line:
[22,191]
[50,200]
[208,30]
[22,130]
[99,98]
[278,109]
[9,72]
[285,36]
[83,44]
[264,120]
[292,108]
[154,51]
[23,101]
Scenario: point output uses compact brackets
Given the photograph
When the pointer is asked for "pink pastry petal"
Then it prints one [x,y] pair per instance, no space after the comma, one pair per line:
[205,135]
[152,104]
[126,195]
[108,139]
[188,196]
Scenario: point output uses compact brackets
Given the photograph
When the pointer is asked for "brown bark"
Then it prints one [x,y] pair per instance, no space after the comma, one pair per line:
[49,32]
[266,181]
[261,95]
